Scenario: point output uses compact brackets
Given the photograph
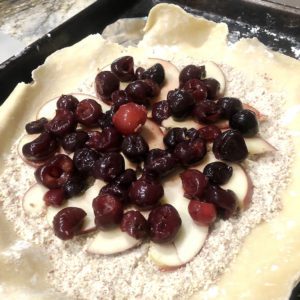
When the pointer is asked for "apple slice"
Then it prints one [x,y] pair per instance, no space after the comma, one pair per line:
[47,110]
[240,182]
[190,237]
[261,117]
[257,145]
[214,71]
[187,123]
[152,133]
[83,201]
[33,203]
[112,241]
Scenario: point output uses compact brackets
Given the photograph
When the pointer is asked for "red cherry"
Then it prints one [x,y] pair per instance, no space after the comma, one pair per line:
[202,213]
[129,118]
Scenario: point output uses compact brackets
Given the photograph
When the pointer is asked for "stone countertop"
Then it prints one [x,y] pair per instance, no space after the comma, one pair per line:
[28,20]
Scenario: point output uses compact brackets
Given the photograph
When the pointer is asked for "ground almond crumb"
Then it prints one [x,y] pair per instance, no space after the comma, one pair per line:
[132,275]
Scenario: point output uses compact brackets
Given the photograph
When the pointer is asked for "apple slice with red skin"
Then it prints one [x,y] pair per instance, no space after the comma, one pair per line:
[83,201]
[153,135]
[190,237]
[32,202]
[47,110]
[257,145]
[240,182]
[112,241]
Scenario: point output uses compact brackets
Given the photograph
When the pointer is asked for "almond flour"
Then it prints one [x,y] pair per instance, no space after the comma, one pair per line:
[132,275]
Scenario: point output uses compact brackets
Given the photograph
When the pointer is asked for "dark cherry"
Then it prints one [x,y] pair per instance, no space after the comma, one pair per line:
[116,190]
[109,166]
[37,126]
[55,197]
[119,98]
[67,102]
[74,186]
[190,152]
[57,171]
[192,134]
[139,73]
[135,148]
[93,140]
[88,112]
[105,119]
[105,84]
[161,111]
[126,178]
[212,87]
[218,172]
[181,103]
[245,122]
[140,92]
[191,72]
[74,140]
[145,193]
[229,106]
[84,159]
[164,223]
[68,222]
[135,224]
[196,88]
[193,183]
[123,68]
[230,146]
[210,132]
[175,136]
[108,211]
[155,73]
[41,148]
[63,123]
[155,88]
[160,162]
[109,140]
[207,112]
[224,200]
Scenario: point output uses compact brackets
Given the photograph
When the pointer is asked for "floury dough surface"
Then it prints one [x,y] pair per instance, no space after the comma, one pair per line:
[132,274]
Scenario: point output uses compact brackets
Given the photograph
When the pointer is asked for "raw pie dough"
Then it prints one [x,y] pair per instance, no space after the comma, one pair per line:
[268,264]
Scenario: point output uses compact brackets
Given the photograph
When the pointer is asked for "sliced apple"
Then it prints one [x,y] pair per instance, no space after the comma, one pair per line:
[240,182]
[261,117]
[47,110]
[187,123]
[33,203]
[214,71]
[83,201]
[257,145]
[112,241]
[152,133]
[190,237]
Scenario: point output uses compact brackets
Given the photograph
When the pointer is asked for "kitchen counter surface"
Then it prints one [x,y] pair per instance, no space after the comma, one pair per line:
[28,20]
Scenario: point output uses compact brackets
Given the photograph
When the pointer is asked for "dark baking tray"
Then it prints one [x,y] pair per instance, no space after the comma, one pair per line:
[277,26]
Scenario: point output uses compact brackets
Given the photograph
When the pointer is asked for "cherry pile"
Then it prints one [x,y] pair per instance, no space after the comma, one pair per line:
[98,138]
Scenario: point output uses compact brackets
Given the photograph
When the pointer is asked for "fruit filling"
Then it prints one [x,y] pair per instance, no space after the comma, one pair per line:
[131,162]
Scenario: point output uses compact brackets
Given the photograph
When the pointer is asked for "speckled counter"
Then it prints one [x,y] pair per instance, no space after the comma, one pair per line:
[28,20]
